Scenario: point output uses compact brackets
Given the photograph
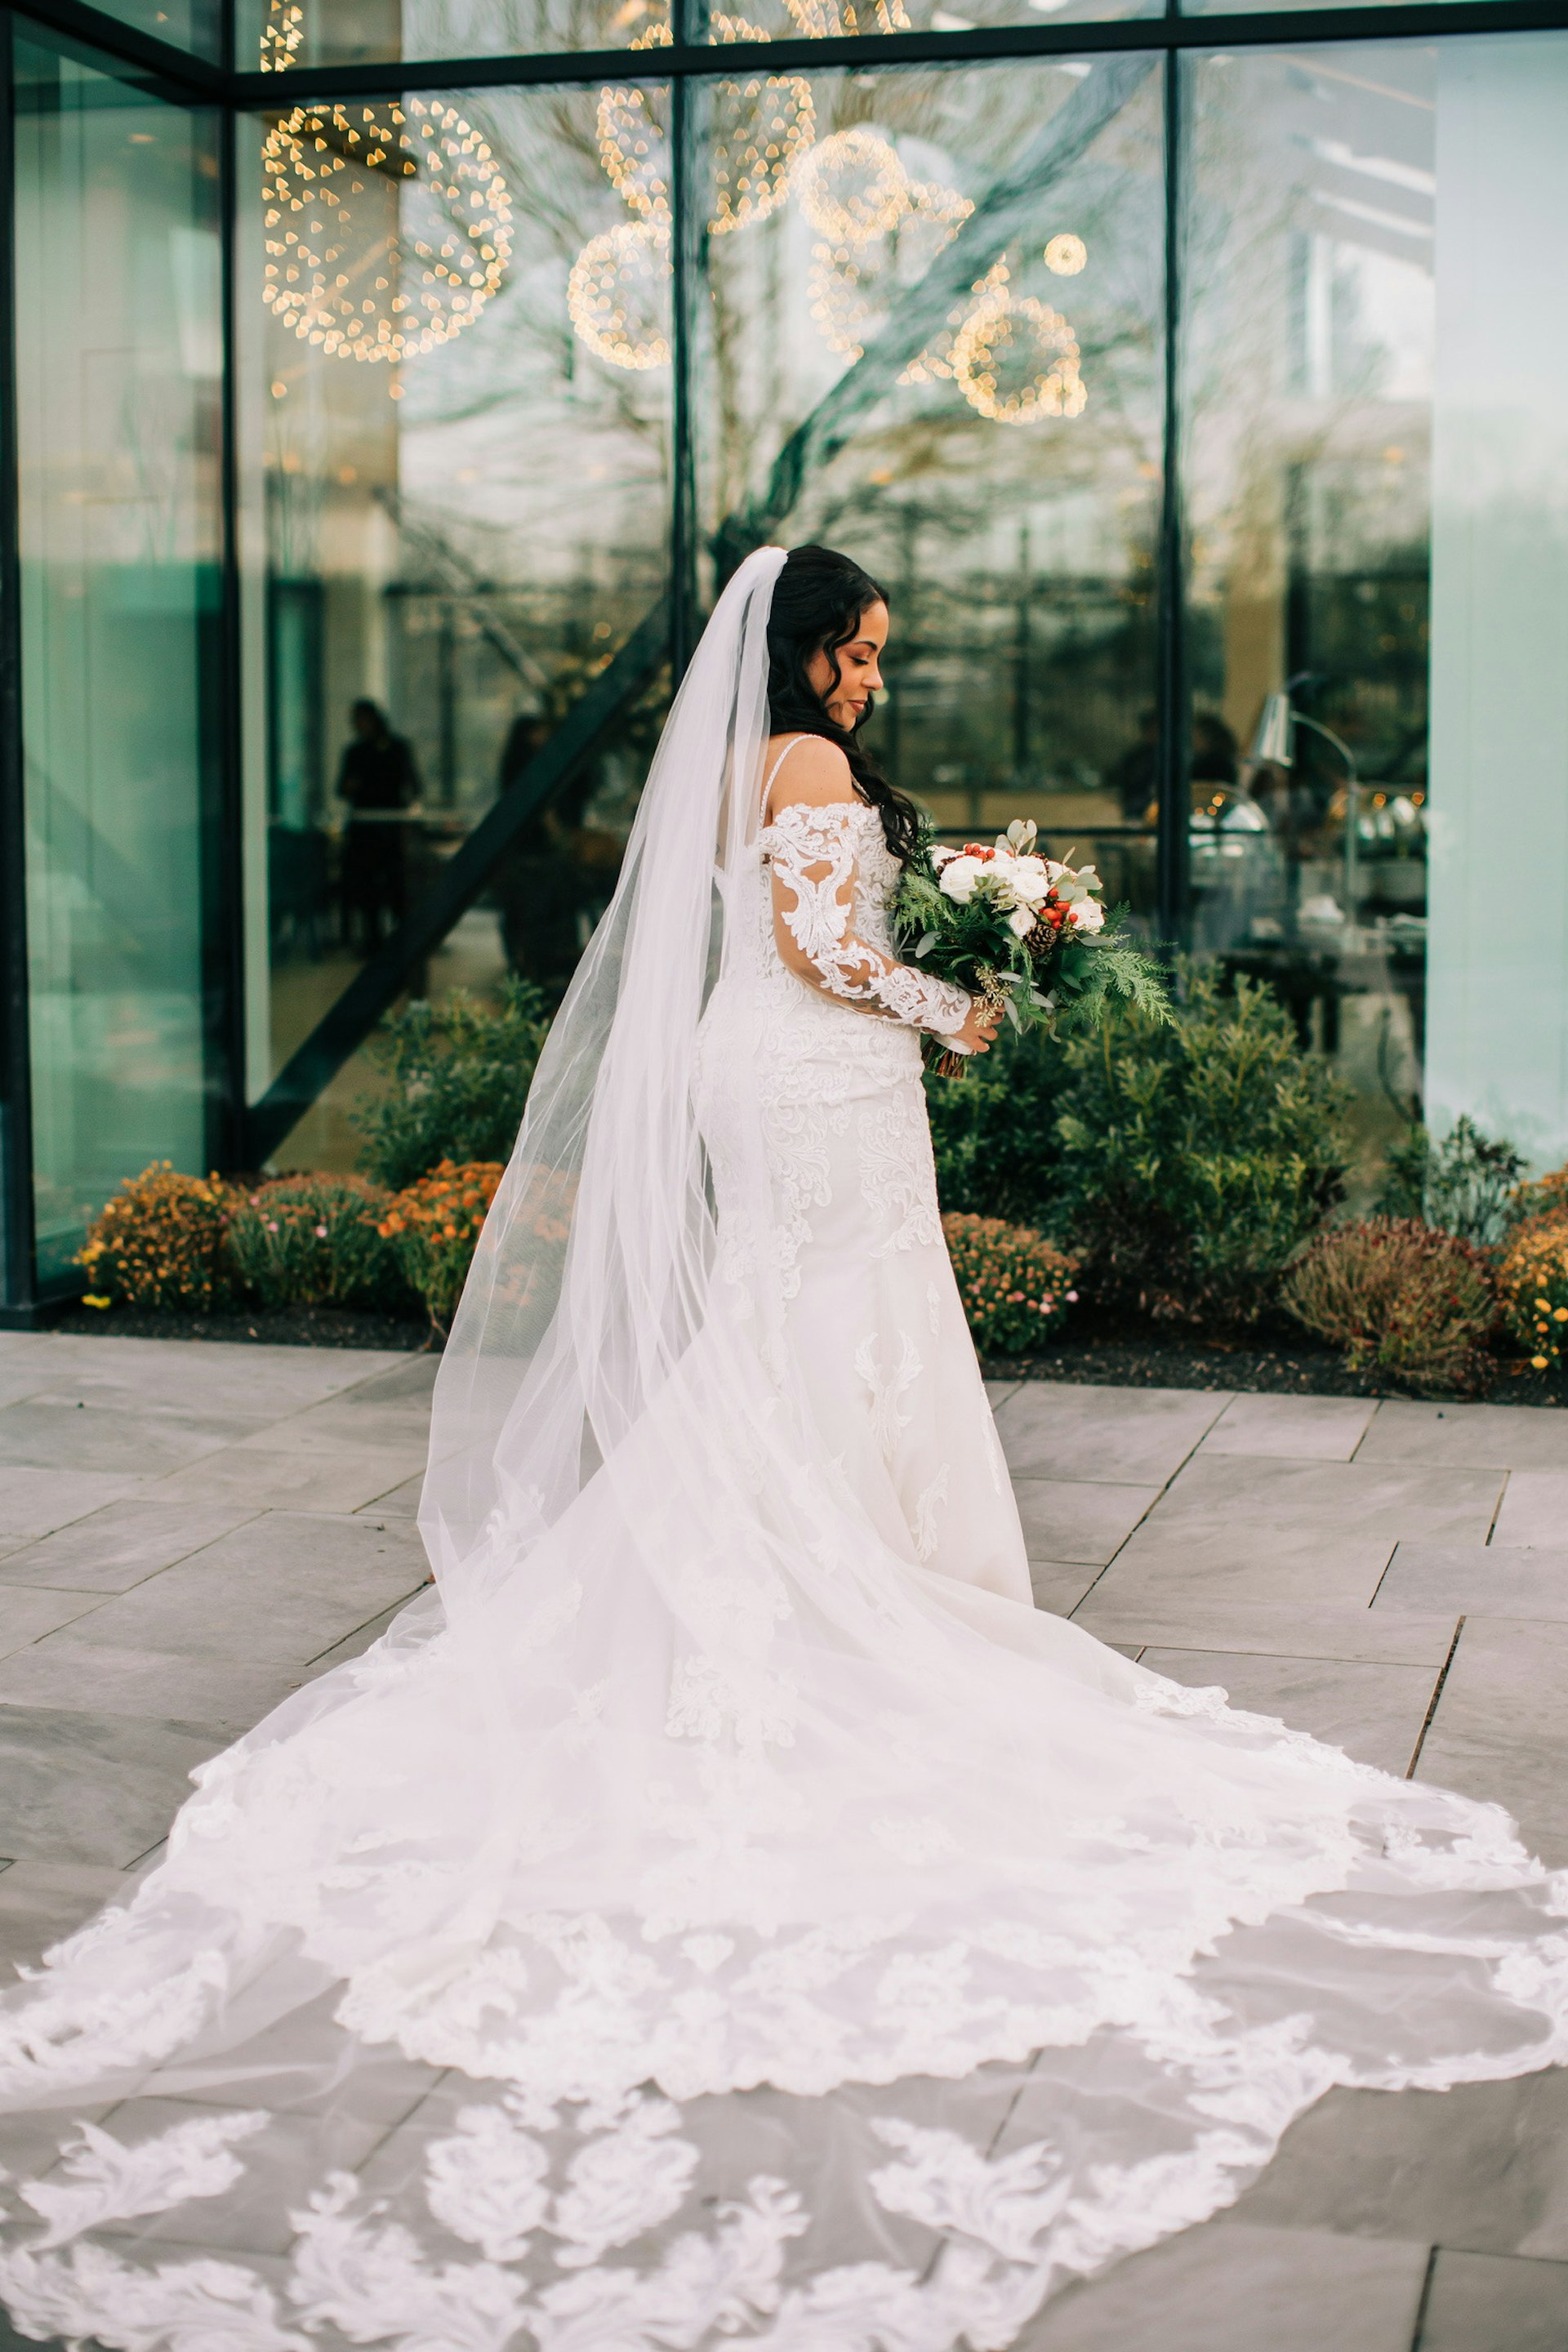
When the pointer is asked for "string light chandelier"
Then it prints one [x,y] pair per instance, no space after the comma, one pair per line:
[1013,359]
[615,294]
[1007,334]
[362,269]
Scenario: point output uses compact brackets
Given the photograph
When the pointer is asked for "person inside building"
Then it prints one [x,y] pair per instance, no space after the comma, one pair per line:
[379,782]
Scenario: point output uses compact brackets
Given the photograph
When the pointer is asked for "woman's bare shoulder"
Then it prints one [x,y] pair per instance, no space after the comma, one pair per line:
[814,774]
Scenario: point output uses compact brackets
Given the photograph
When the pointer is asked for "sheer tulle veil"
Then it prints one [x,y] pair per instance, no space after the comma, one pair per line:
[723,1911]
[590,1279]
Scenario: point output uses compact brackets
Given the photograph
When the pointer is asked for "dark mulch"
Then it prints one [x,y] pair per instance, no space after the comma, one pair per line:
[1274,1359]
[277,1326]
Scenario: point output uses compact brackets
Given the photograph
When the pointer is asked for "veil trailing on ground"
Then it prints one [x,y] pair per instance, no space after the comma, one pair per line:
[718,1914]
[590,1279]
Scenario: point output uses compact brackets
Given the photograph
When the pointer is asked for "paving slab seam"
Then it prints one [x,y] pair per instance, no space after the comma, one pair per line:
[1436,1695]
[1424,2306]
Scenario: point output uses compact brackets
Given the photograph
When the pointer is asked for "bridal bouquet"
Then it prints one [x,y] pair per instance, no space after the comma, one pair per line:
[1029,935]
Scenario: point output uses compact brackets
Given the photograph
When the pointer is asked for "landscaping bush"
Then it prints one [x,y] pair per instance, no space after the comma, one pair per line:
[316,1241]
[993,1130]
[1466,1184]
[461,1073]
[1533,1280]
[160,1242]
[1399,1297]
[1196,1159]
[1015,1285]
[433,1226]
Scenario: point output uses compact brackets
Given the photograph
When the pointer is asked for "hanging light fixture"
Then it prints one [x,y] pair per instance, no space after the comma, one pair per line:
[362,270]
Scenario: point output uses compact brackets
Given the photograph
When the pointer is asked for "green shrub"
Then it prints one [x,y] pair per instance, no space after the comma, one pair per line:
[993,1130]
[1015,1285]
[1399,1297]
[461,1073]
[160,1242]
[1465,1185]
[1533,1280]
[315,1241]
[1196,1158]
[433,1226]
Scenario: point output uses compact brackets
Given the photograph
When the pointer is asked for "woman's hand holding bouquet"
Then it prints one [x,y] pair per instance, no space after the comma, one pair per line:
[1026,934]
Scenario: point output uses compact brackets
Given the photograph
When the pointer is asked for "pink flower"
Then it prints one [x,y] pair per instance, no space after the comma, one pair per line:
[320,1232]
[271,1224]
[1072,1299]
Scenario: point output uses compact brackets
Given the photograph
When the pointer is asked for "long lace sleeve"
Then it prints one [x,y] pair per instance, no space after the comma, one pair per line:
[812,852]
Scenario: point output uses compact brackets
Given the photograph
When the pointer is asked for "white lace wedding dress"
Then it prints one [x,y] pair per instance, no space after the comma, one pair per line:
[727,1911]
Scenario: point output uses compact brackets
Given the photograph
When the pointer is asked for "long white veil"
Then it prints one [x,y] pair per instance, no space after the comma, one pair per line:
[589,1282]
[699,1921]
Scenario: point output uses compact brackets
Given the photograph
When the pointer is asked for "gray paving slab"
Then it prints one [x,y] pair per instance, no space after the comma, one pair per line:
[120,1545]
[1535,1509]
[272,1477]
[1500,1729]
[997,1390]
[254,1379]
[35,1502]
[253,2217]
[1491,1579]
[402,1425]
[27,1612]
[1494,2303]
[1373,1712]
[1058,1429]
[1228,2287]
[223,1696]
[53,1435]
[402,1503]
[93,1788]
[1484,2166]
[1390,1637]
[295,1583]
[1060,1585]
[1243,1529]
[40,1902]
[1291,1428]
[1079,1519]
[1467,1436]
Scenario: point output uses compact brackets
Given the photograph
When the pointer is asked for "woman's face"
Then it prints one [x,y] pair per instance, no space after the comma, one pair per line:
[858,676]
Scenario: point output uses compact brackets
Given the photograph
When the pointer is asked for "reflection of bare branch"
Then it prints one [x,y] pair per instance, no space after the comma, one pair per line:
[1006,211]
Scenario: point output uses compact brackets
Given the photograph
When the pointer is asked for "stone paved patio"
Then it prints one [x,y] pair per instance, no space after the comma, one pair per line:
[188,1532]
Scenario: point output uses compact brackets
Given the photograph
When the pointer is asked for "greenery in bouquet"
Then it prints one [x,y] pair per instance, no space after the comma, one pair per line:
[1025,933]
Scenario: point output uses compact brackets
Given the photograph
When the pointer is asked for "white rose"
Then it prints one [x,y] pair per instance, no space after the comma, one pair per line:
[1031,879]
[1022,922]
[940,855]
[959,877]
[1086,915]
[1054,869]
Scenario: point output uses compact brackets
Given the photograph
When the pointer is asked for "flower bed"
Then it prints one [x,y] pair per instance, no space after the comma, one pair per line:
[1015,1285]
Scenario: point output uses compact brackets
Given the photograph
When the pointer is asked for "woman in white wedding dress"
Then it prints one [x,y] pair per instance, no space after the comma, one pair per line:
[725,1911]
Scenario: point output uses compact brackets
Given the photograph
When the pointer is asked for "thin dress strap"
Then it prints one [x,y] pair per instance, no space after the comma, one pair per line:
[778,764]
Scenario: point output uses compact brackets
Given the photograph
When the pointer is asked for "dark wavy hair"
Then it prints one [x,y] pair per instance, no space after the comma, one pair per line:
[818,599]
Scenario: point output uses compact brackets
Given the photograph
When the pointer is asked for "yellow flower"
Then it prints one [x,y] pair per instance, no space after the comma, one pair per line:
[88,1300]
[1559,1315]
[1539,1363]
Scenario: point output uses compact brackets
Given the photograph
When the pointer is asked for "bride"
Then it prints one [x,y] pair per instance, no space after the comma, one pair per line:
[725,1911]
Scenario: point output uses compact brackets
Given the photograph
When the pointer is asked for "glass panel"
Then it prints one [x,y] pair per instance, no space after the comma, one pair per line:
[456,514]
[276,34]
[939,349]
[194,25]
[117,382]
[1498,1022]
[1309,361]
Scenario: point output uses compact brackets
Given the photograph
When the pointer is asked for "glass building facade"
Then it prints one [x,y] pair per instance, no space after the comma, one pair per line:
[393,383]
